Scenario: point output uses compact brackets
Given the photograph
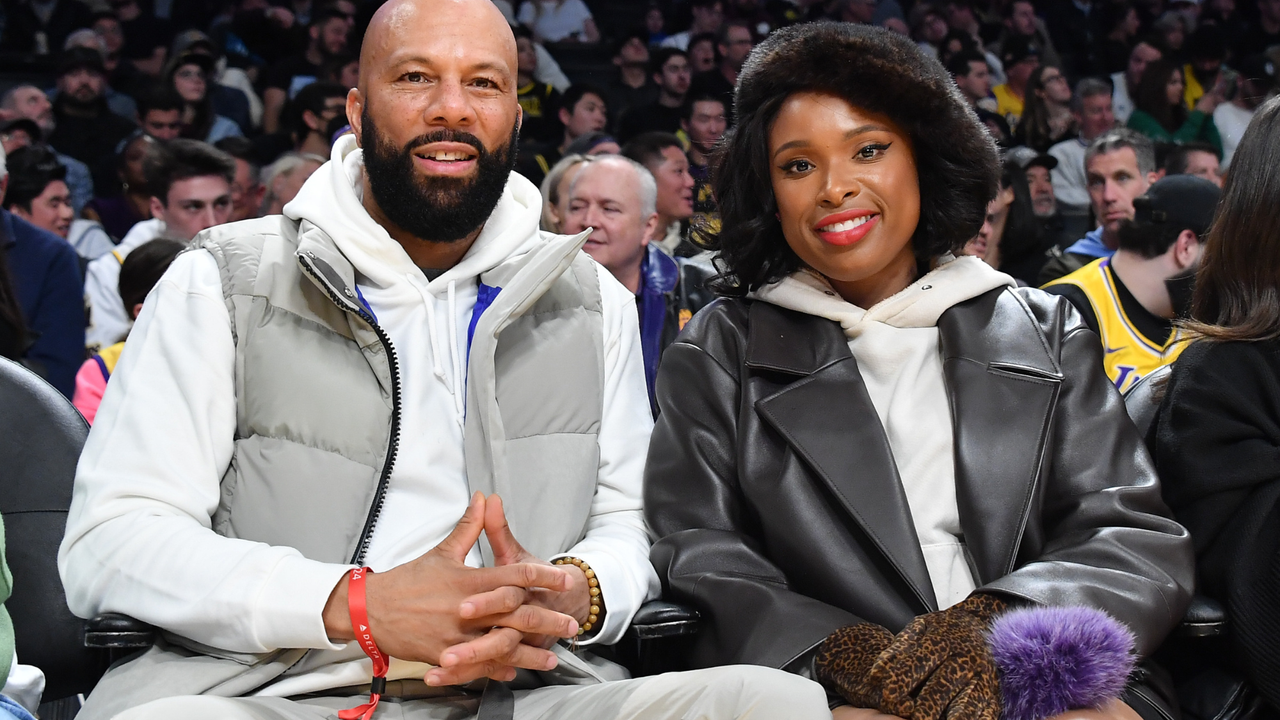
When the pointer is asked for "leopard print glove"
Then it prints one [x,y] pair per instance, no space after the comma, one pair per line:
[939,667]
[845,658]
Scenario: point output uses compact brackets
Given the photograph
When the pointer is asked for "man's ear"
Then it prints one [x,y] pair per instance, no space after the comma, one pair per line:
[1186,250]
[311,121]
[314,32]
[565,116]
[684,125]
[1153,177]
[157,209]
[135,311]
[355,113]
[256,194]
[650,230]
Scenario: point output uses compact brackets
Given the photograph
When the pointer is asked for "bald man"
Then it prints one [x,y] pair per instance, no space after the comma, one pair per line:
[345,445]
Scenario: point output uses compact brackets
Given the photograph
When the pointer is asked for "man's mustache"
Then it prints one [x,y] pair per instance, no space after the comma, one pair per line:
[457,136]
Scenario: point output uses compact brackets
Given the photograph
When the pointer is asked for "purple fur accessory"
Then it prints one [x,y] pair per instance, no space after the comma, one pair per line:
[1055,659]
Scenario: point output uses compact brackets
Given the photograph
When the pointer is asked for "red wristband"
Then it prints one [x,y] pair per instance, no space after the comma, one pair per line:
[360,625]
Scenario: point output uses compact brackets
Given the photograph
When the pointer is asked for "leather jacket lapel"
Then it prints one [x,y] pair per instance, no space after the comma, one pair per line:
[1003,386]
[827,418]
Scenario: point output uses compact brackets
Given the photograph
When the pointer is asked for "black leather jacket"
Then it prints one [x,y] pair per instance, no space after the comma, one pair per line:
[773,492]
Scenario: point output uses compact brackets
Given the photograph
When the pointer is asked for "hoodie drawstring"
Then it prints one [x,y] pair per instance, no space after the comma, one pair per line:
[437,352]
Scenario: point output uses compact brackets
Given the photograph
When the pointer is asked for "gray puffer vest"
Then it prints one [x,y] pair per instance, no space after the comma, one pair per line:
[317,393]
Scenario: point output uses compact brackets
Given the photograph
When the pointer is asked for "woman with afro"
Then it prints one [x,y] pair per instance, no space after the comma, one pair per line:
[882,466]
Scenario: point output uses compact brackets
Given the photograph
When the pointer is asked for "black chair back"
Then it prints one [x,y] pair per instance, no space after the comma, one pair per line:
[41,435]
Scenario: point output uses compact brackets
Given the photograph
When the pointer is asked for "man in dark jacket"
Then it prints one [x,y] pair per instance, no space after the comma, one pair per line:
[616,196]
[86,128]
[46,276]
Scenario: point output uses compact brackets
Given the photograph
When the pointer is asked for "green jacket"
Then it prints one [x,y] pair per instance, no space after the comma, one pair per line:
[1198,127]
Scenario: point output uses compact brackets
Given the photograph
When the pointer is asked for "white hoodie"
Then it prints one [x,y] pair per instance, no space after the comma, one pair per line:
[138,537]
[896,345]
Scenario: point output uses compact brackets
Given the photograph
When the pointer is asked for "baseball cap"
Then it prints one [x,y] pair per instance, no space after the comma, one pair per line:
[1183,201]
[188,39]
[81,58]
[27,126]
[1025,157]
[1257,68]
[1016,49]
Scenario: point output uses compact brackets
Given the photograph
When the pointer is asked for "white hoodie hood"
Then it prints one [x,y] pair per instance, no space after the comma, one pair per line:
[896,345]
[331,199]
[918,305]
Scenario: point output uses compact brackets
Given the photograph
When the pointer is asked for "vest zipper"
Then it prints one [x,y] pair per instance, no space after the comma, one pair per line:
[380,495]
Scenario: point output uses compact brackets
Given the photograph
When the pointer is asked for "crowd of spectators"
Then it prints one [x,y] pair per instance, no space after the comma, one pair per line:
[265,82]
[148,121]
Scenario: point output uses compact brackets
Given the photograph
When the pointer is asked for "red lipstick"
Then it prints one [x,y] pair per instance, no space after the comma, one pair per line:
[862,222]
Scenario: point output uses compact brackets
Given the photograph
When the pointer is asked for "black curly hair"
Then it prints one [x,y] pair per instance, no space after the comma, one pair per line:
[875,70]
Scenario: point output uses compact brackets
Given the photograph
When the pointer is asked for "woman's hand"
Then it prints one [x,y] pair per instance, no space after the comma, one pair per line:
[938,667]
[1209,101]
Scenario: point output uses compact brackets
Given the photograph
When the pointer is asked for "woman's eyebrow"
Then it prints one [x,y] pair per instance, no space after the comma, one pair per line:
[871,127]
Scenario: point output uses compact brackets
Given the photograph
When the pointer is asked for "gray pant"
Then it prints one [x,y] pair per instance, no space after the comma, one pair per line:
[723,693]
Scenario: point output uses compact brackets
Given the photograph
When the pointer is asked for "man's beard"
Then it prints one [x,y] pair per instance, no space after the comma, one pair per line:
[436,209]
[81,97]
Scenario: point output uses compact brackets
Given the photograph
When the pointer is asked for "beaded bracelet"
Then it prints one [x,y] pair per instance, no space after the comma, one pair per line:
[596,613]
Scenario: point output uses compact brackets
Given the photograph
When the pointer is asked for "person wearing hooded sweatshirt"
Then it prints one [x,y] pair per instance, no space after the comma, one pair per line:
[398,366]
[883,466]
[190,184]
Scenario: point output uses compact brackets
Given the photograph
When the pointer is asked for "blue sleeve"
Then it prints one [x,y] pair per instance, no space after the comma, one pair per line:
[59,318]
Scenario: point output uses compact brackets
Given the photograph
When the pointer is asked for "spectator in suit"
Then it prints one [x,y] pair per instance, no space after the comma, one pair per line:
[617,197]
[46,277]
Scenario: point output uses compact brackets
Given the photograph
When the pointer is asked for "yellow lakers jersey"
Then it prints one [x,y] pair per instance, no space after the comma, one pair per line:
[1128,355]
